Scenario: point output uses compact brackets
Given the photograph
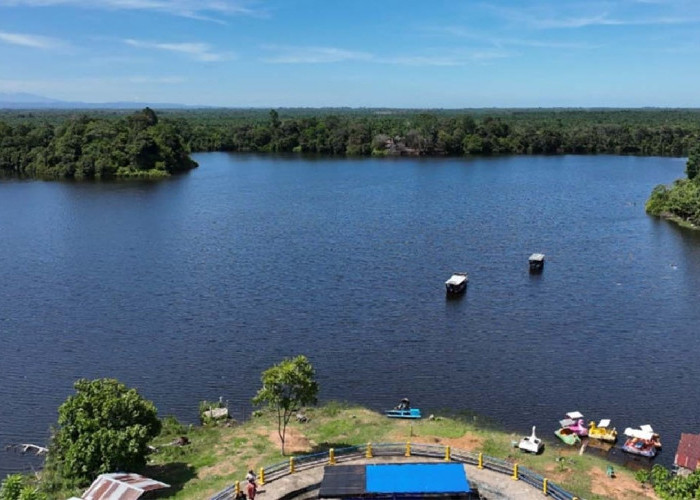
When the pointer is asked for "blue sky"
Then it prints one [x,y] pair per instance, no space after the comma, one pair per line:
[380,53]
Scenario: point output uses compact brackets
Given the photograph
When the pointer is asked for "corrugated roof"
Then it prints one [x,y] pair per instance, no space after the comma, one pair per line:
[688,453]
[121,486]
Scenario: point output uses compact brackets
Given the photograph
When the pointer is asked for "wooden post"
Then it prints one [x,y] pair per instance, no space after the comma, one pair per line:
[331,456]
[515,472]
[291,465]
[447,453]
[481,461]
[408,449]
[368,453]
[262,476]
[545,488]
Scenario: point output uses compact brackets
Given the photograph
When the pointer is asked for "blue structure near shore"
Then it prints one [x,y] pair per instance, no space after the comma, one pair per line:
[397,481]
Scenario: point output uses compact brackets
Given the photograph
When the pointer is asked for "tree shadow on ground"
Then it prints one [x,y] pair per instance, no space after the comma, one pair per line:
[324,447]
[176,474]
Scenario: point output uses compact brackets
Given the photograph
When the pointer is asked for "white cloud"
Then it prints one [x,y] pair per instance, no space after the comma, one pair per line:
[323,55]
[457,59]
[33,41]
[600,13]
[312,55]
[604,20]
[196,50]
[484,38]
[164,80]
[65,87]
[198,9]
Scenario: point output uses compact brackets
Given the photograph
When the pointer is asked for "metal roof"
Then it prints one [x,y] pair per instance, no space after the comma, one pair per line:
[457,279]
[688,453]
[639,434]
[121,486]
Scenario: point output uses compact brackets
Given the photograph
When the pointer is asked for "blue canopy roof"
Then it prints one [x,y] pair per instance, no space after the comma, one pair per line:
[417,478]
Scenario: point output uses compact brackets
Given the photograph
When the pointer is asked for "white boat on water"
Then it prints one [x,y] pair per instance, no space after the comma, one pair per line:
[531,443]
[457,283]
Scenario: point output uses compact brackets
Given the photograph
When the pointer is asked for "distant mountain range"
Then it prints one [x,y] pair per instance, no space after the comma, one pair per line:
[23,100]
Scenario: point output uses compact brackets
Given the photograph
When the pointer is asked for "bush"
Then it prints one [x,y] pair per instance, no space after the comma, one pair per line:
[19,487]
[104,427]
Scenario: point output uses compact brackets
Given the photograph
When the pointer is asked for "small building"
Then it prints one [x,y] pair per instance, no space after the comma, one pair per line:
[688,452]
[536,261]
[120,486]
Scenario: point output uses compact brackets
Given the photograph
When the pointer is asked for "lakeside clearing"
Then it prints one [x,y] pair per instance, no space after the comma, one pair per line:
[217,456]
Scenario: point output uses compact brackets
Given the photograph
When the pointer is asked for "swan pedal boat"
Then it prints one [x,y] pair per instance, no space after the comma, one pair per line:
[602,431]
[574,421]
[531,443]
[568,436]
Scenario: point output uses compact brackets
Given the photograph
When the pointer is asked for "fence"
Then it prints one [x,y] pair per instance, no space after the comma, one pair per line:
[371,450]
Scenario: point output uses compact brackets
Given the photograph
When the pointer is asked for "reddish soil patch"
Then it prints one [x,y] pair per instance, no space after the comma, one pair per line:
[294,441]
[620,486]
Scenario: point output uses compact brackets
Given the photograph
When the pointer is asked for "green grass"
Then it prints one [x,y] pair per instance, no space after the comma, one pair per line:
[218,456]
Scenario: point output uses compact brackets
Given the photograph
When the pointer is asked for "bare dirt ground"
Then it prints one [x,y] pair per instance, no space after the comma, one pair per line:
[619,487]
[295,442]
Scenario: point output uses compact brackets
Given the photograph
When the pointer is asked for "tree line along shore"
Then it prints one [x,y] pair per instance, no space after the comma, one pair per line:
[60,144]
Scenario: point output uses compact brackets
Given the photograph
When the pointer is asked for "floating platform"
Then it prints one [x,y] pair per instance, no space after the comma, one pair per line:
[536,261]
[457,283]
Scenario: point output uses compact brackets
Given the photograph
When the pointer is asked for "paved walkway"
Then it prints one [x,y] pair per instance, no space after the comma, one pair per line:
[491,485]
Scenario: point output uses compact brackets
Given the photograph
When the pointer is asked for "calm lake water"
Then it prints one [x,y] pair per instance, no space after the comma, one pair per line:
[190,287]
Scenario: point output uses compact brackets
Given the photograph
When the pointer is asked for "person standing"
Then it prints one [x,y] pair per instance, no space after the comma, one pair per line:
[251,490]
[250,476]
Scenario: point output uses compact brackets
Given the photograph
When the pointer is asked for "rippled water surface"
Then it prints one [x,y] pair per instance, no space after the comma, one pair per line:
[190,287]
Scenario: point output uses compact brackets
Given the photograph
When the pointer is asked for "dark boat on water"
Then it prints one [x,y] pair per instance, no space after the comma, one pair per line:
[403,410]
[456,284]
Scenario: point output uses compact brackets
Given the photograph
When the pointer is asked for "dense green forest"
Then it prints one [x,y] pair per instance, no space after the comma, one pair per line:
[456,133]
[111,142]
[135,145]
[681,200]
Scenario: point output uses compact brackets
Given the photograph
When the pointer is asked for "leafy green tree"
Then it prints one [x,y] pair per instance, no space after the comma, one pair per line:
[103,427]
[673,487]
[286,387]
[692,167]
[17,487]
[274,119]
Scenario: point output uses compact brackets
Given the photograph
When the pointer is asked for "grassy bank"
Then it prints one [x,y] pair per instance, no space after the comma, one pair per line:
[218,456]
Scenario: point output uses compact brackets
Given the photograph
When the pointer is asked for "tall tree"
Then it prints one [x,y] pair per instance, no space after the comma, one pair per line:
[692,167]
[286,387]
[103,427]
